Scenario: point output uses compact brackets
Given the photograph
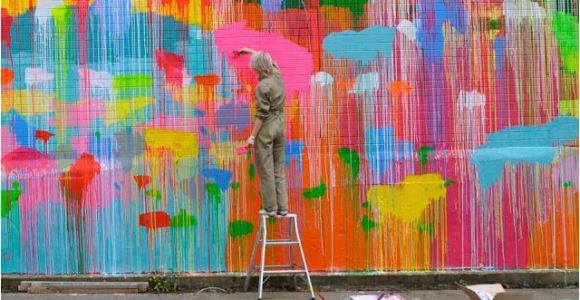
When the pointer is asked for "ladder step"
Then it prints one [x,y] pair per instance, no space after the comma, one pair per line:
[257,267]
[281,242]
[283,271]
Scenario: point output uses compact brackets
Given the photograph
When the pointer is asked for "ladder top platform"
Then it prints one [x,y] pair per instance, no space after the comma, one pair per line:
[265,214]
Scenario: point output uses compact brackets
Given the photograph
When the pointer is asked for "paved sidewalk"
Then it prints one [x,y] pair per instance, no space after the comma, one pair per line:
[540,294]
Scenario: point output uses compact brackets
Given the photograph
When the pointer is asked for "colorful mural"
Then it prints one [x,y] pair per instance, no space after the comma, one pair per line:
[423,134]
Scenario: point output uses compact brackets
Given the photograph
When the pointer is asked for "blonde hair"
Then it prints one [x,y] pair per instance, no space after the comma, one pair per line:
[262,63]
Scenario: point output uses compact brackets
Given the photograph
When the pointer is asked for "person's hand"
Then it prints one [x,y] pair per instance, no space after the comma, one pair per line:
[250,140]
[244,51]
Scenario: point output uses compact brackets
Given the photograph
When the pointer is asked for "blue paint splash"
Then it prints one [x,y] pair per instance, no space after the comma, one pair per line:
[23,132]
[522,144]
[498,46]
[294,150]
[432,15]
[363,46]
[220,176]
[382,149]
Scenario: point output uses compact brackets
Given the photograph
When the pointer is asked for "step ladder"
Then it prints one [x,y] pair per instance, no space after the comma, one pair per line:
[262,237]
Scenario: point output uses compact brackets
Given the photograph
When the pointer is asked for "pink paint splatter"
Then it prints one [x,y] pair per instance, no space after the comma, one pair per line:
[9,142]
[27,159]
[80,143]
[295,62]
[85,112]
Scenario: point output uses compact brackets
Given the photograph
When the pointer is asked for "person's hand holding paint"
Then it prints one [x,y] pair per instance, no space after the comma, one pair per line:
[244,51]
[250,140]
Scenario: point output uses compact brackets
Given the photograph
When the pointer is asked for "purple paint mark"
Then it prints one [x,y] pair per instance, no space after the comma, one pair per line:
[235,115]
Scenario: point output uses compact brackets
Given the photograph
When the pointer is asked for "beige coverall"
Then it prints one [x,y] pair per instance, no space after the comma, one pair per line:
[271,143]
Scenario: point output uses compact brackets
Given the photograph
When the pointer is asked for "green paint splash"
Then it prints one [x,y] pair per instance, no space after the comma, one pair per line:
[568,107]
[240,228]
[9,198]
[423,154]
[214,192]
[566,29]
[494,24]
[350,157]
[568,184]
[368,224]
[449,182]
[356,7]
[315,192]
[98,134]
[252,171]
[293,4]
[154,193]
[183,219]
[427,227]
[62,17]
[130,81]
[235,185]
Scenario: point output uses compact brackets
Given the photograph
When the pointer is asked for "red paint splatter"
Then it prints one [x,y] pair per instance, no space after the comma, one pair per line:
[142,180]
[153,220]
[7,76]
[28,159]
[209,79]
[43,135]
[172,64]
[80,175]
[6,24]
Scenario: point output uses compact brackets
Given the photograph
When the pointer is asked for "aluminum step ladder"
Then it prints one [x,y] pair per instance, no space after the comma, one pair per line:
[262,237]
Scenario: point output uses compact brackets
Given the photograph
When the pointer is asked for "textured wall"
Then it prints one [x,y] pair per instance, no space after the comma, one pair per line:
[423,134]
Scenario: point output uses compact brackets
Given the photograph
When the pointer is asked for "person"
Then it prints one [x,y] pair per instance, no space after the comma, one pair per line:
[268,135]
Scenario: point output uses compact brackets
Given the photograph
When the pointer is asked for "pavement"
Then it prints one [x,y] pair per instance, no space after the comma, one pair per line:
[539,294]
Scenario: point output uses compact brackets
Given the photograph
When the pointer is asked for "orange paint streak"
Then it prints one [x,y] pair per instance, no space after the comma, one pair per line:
[251,14]
[207,80]
[400,88]
[554,243]
[7,76]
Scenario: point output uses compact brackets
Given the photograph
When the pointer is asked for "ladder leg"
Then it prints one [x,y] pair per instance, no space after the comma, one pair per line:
[252,259]
[292,264]
[262,262]
[303,258]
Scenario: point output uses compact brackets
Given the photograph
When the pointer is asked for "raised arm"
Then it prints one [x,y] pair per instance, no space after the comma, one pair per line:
[245,51]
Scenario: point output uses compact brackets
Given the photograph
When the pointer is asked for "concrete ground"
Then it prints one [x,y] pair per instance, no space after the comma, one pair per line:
[539,294]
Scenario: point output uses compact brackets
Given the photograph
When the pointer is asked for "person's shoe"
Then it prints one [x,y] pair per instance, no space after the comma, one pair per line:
[271,213]
[283,213]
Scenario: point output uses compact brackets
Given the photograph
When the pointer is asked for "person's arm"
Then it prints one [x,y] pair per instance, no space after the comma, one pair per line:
[257,126]
[245,51]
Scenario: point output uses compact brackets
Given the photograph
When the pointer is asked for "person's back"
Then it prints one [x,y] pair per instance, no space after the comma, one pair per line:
[272,87]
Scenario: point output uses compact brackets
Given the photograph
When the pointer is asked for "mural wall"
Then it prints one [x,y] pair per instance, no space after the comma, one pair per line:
[422,134]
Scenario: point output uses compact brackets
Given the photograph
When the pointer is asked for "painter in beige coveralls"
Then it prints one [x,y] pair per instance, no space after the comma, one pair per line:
[269,133]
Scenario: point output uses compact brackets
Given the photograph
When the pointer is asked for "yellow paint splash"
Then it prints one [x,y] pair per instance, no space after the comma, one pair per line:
[408,199]
[17,7]
[180,143]
[568,107]
[27,102]
[191,12]
[122,109]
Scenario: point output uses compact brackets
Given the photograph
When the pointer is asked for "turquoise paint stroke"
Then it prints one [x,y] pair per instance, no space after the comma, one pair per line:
[522,144]
[363,46]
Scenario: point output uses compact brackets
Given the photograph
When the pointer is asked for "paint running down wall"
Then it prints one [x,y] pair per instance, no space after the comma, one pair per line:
[423,134]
